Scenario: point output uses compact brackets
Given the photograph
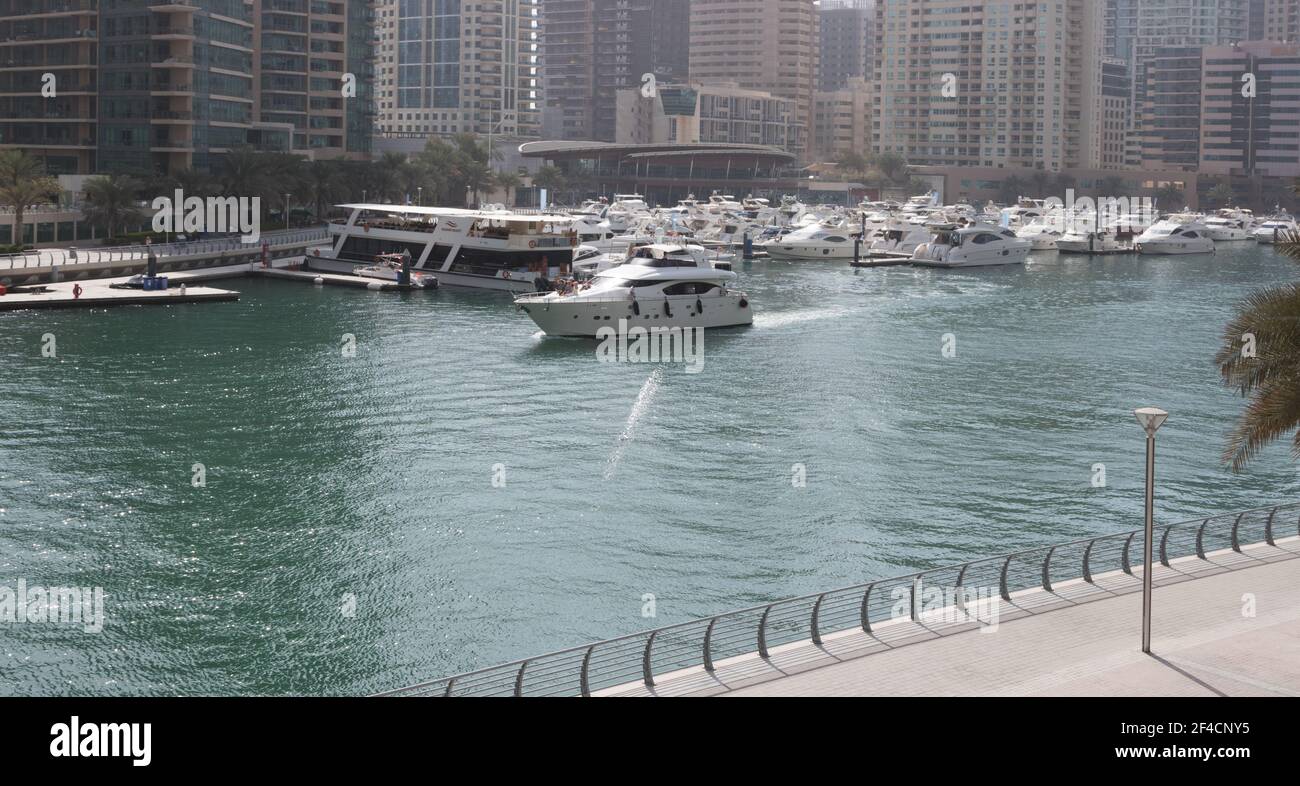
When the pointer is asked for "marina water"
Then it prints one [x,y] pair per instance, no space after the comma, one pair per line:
[465,491]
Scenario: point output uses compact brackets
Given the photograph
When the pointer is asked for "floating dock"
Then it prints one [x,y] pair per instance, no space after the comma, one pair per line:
[98,294]
[332,279]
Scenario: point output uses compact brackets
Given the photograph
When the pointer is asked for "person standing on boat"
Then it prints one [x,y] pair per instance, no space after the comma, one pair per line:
[76,291]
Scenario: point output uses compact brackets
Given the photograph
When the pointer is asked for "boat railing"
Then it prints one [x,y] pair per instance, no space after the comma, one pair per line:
[702,643]
[49,257]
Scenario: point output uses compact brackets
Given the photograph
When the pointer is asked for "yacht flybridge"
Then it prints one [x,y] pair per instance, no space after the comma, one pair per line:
[485,249]
[659,286]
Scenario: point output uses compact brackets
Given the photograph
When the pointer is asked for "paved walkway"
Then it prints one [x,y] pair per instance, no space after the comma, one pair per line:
[1081,639]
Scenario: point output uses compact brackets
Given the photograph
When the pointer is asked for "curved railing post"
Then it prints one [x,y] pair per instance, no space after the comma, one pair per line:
[864,612]
[447,693]
[519,680]
[762,634]
[1087,561]
[1236,544]
[646,674]
[584,681]
[1200,539]
[1164,541]
[1268,528]
[816,612]
[958,598]
[708,646]
[1128,566]
[1047,569]
[1002,580]
[916,598]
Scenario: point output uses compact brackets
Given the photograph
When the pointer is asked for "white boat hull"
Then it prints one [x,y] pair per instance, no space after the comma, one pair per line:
[1164,248]
[1009,257]
[585,318]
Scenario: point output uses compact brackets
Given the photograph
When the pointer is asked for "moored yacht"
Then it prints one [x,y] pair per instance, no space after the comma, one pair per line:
[659,286]
[1174,236]
[1230,224]
[896,239]
[1086,240]
[977,246]
[1275,228]
[818,241]
[1042,233]
[485,249]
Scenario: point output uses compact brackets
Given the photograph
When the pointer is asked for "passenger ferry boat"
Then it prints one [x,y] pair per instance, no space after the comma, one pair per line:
[504,250]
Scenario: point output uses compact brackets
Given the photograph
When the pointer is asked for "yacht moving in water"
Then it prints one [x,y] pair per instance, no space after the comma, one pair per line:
[976,246]
[485,249]
[658,286]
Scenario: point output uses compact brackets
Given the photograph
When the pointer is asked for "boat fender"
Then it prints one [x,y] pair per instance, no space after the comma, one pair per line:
[699,306]
[532,244]
[318,281]
[668,311]
[744,303]
[636,308]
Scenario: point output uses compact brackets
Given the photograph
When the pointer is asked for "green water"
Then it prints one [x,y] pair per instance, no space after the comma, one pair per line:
[373,476]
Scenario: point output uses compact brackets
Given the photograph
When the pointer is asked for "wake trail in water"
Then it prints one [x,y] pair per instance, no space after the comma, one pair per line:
[639,408]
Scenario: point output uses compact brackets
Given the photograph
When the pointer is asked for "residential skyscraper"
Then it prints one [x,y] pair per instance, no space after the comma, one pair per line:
[1281,20]
[1165,24]
[998,84]
[1250,135]
[591,49]
[848,32]
[142,86]
[452,66]
[765,45]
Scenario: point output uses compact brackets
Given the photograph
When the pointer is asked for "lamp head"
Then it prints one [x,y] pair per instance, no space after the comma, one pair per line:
[1150,419]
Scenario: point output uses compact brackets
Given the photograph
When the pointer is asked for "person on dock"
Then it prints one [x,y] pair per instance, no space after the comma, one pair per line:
[76,291]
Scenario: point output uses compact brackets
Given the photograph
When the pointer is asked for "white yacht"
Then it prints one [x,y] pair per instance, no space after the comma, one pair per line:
[1042,233]
[1086,240]
[1174,236]
[977,246]
[484,249]
[896,239]
[389,267]
[659,286]
[818,241]
[1230,224]
[1275,228]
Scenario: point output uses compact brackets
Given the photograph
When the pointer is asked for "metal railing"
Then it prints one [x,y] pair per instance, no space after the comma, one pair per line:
[43,258]
[579,671]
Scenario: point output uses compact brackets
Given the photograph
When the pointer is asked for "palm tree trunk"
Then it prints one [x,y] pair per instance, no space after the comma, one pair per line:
[18,226]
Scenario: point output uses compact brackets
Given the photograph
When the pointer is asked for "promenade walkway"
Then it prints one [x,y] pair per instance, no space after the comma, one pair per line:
[1055,620]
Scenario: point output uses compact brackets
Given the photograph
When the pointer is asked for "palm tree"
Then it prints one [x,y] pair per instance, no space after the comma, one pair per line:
[1221,195]
[550,178]
[894,166]
[1169,195]
[111,203]
[1270,375]
[23,182]
[508,181]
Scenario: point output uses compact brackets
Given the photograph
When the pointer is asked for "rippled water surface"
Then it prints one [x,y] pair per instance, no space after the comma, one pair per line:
[373,476]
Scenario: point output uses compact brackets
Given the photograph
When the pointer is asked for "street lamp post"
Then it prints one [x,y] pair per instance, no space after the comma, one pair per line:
[1150,419]
[286,210]
[419,195]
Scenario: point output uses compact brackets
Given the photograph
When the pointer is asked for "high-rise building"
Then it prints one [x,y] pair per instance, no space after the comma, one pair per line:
[314,73]
[705,113]
[591,49]
[1171,109]
[142,86]
[847,35]
[765,45]
[1255,20]
[1117,112]
[1165,24]
[842,120]
[1281,20]
[1121,24]
[998,84]
[449,66]
[1250,133]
